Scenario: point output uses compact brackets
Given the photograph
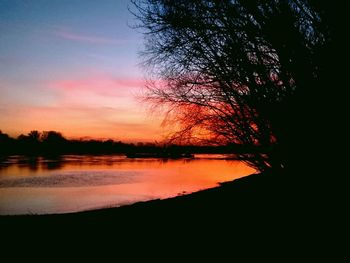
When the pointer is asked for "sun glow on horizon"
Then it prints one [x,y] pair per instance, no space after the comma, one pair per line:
[75,74]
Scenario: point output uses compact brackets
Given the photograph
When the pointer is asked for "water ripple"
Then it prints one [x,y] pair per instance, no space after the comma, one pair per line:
[73,179]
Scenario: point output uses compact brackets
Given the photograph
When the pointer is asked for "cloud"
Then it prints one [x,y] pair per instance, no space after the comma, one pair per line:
[67,34]
[97,106]
[101,85]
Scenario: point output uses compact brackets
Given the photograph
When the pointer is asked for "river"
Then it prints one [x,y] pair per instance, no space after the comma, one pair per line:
[71,183]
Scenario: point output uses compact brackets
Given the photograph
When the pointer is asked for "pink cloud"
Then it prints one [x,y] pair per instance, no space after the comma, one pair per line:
[68,35]
[100,85]
[100,90]
[99,105]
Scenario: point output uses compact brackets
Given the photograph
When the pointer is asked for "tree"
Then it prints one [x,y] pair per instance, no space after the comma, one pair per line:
[52,138]
[237,72]
[6,143]
[34,136]
[53,142]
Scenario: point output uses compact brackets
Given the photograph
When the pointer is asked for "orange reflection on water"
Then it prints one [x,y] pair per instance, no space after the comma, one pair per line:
[78,183]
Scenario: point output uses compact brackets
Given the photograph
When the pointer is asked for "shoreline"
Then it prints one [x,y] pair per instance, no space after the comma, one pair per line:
[237,192]
[255,200]
[250,210]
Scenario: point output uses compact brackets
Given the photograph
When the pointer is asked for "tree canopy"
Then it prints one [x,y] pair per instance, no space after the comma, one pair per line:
[237,72]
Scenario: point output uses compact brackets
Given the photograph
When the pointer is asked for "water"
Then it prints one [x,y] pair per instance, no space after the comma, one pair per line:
[73,183]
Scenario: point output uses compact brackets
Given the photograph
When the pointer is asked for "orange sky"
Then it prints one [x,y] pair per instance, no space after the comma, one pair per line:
[72,67]
[98,106]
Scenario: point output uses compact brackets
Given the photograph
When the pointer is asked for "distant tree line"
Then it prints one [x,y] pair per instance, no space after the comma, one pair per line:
[53,142]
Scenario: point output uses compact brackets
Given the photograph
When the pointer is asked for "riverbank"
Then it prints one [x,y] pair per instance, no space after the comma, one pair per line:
[263,214]
[253,197]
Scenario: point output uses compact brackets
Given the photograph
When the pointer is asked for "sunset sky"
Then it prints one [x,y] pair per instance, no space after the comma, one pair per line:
[72,66]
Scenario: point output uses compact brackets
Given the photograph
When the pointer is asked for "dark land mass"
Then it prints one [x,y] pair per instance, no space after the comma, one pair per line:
[260,216]
[53,143]
[257,201]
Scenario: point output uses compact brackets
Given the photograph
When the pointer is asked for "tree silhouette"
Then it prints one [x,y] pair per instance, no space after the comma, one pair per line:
[237,72]
[34,136]
[53,142]
[5,142]
[30,143]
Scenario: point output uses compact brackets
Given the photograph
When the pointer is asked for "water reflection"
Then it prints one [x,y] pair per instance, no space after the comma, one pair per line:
[59,184]
[31,164]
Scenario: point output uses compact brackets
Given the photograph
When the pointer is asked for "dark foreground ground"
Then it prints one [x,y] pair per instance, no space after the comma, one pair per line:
[260,210]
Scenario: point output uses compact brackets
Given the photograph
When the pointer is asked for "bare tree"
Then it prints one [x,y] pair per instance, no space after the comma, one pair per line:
[230,70]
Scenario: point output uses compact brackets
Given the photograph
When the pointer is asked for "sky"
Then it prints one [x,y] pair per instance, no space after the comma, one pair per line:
[73,66]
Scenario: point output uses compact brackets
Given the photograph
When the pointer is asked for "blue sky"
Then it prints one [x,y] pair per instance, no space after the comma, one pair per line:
[72,66]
